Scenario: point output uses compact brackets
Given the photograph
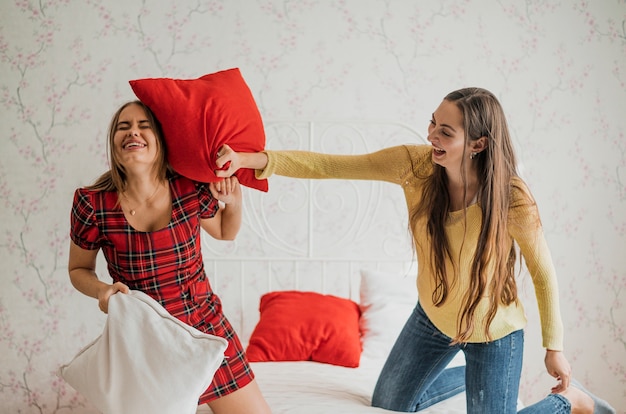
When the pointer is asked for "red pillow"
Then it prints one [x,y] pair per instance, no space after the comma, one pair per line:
[198,116]
[306,326]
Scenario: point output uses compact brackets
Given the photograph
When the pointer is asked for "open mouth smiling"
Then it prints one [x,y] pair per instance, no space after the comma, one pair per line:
[133,144]
[438,151]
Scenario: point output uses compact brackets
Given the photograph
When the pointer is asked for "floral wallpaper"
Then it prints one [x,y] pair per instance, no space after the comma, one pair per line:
[558,67]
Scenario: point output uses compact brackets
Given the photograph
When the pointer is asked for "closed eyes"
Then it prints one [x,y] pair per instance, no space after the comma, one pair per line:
[125,125]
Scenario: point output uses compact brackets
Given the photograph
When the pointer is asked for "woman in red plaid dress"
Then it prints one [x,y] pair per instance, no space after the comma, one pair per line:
[146,220]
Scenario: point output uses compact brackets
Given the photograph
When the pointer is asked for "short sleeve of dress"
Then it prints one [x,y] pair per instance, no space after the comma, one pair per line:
[207,203]
[84,231]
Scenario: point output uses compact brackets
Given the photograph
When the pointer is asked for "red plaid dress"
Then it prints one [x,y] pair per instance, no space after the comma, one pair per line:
[165,264]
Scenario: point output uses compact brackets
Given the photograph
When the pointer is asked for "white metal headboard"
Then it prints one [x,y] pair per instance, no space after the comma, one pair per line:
[313,235]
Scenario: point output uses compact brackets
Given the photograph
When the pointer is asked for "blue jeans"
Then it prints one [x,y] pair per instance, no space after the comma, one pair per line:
[415,375]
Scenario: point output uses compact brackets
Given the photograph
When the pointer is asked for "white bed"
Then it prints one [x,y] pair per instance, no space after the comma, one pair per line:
[343,238]
[307,387]
[329,389]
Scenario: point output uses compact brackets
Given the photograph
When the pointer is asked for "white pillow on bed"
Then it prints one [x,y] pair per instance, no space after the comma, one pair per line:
[145,361]
[386,300]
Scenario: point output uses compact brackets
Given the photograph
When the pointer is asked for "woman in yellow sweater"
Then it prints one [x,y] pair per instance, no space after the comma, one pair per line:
[468,209]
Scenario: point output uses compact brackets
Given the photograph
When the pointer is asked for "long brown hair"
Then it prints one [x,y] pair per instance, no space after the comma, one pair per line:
[496,165]
[115,178]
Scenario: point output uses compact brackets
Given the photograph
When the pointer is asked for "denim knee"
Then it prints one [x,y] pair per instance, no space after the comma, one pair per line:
[553,404]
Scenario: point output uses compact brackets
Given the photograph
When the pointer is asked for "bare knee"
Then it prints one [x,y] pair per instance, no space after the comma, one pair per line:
[246,400]
[580,401]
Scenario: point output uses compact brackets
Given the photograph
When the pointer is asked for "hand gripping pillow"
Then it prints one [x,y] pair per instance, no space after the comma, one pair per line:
[198,116]
[145,361]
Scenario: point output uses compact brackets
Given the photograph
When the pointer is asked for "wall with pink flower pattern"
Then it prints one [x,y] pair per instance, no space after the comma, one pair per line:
[559,69]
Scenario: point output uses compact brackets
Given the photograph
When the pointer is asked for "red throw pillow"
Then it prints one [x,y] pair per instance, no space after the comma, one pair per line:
[306,326]
[198,116]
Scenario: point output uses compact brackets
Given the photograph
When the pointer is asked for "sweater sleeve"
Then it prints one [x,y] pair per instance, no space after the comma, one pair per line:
[525,227]
[392,164]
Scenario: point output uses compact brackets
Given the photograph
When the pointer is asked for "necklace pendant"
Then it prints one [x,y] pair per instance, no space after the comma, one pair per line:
[132,212]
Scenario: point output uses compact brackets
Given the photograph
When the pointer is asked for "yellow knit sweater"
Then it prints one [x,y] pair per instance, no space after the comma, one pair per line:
[399,165]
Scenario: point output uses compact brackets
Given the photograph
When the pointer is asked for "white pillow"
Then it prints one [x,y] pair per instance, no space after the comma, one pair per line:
[386,300]
[145,361]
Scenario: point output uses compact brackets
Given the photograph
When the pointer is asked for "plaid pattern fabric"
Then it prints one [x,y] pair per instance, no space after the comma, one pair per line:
[165,264]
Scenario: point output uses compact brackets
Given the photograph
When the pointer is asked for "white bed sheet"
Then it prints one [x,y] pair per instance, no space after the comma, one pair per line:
[316,388]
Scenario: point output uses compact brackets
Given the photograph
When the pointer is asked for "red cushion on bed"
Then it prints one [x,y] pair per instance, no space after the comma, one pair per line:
[306,326]
[198,116]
